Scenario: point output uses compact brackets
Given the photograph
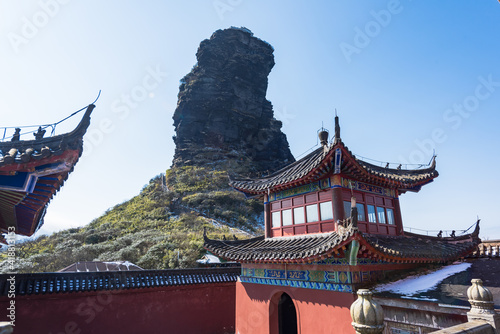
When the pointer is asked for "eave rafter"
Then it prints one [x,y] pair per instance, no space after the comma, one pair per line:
[33,172]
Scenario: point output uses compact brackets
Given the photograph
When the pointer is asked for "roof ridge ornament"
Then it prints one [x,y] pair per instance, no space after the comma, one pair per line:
[337,129]
[323,136]
[432,163]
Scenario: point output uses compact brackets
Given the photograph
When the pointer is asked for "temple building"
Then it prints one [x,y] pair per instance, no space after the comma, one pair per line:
[32,171]
[333,224]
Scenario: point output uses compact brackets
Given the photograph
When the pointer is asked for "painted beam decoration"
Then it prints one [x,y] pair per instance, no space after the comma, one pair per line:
[369,188]
[298,284]
[338,161]
[313,276]
[327,183]
[301,190]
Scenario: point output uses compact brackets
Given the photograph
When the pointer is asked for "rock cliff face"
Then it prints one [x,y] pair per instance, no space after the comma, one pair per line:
[222,112]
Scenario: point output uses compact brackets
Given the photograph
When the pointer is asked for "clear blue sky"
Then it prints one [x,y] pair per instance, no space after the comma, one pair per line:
[406,77]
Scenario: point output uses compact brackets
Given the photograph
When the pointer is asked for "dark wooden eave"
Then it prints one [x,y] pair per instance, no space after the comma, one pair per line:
[17,155]
[298,172]
[410,248]
[401,179]
[31,173]
[319,163]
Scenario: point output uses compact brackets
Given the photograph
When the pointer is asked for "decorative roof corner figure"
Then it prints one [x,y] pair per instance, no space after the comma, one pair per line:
[39,134]
[17,135]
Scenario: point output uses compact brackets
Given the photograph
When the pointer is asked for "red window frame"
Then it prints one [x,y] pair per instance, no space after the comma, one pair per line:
[377,201]
[302,201]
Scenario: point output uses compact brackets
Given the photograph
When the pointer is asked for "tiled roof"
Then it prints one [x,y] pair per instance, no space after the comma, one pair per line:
[313,247]
[427,249]
[285,249]
[295,171]
[406,176]
[320,162]
[48,283]
[402,179]
[19,153]
[31,173]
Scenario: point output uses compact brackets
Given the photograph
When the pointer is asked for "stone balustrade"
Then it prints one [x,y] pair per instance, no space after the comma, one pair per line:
[368,317]
[487,248]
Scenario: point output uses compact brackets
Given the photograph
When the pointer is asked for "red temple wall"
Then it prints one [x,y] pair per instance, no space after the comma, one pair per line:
[318,311]
[207,308]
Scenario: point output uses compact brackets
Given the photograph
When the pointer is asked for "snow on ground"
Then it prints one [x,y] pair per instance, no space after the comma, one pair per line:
[417,284]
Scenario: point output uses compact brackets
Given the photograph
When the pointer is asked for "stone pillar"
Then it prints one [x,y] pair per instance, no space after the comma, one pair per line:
[367,316]
[267,218]
[482,307]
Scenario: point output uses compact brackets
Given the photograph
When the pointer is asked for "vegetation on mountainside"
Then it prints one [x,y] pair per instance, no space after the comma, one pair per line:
[160,228]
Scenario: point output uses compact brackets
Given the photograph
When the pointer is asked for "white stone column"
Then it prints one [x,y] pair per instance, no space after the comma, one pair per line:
[482,306]
[367,316]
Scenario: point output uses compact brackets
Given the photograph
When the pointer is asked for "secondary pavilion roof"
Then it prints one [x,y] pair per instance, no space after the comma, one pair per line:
[321,162]
[408,248]
[32,171]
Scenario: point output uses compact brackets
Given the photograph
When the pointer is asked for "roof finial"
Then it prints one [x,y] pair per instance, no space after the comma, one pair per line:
[323,136]
[337,128]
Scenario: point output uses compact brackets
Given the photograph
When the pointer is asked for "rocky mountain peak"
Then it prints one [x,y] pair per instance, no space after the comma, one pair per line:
[222,112]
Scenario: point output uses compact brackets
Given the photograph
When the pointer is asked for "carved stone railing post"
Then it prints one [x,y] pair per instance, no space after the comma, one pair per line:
[367,316]
[482,306]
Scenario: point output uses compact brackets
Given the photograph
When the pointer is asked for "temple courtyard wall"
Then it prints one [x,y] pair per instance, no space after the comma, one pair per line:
[161,301]
[318,311]
[214,301]
[207,308]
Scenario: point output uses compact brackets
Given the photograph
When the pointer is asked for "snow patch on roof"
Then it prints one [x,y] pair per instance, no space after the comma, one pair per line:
[122,263]
[417,284]
[209,258]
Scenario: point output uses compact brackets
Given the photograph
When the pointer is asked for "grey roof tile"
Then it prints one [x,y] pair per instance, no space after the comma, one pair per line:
[307,168]
[307,247]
